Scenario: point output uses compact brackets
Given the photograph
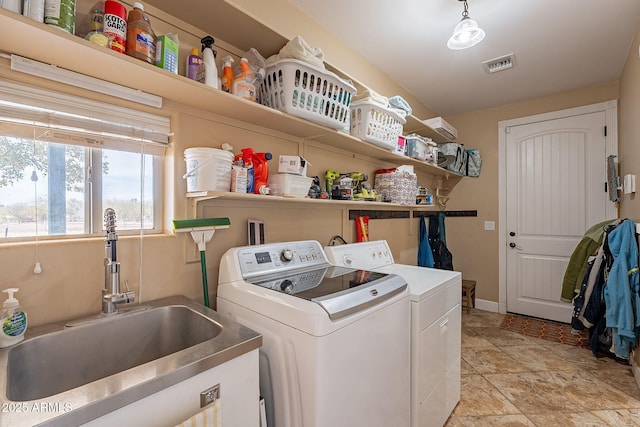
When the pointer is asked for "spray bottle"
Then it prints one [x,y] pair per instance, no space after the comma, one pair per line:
[209,59]
[227,74]
[244,82]
[261,172]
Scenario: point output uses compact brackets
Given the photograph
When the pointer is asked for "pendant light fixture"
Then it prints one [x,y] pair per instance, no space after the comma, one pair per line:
[467,33]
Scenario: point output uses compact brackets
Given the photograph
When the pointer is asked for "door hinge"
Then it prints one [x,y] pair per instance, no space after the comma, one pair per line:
[605,130]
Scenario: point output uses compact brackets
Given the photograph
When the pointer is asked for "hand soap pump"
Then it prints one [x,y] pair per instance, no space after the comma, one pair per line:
[13,320]
[209,59]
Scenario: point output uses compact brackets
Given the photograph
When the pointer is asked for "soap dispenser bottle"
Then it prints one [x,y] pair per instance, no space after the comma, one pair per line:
[13,320]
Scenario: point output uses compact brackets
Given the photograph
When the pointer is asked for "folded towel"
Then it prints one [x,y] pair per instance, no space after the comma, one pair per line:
[298,48]
[371,96]
[399,102]
[211,416]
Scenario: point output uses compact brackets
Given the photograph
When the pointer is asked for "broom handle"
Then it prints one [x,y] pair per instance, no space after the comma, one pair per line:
[205,286]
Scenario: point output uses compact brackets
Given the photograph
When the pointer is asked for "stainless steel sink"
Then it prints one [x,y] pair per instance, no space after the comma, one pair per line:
[115,360]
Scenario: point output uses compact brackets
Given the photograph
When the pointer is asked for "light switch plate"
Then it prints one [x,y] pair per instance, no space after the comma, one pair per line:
[490,225]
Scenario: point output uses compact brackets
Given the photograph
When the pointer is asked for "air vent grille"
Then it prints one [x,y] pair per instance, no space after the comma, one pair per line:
[500,64]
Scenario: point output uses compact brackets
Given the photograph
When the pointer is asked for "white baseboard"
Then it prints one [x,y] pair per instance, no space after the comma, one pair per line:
[487,305]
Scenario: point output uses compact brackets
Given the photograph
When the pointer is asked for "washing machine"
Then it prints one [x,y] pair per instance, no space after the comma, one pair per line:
[435,327]
[336,340]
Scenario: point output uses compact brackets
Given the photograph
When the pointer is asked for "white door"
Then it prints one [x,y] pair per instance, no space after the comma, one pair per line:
[555,191]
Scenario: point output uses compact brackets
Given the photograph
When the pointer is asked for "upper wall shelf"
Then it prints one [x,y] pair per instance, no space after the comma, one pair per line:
[67,51]
[416,125]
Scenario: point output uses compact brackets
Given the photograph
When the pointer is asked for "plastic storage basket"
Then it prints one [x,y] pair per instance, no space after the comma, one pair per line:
[304,91]
[376,124]
[289,185]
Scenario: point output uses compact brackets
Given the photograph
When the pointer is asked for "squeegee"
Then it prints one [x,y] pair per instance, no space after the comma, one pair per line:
[201,230]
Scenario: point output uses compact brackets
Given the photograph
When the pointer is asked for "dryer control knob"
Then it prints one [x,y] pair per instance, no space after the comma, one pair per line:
[347,260]
[286,255]
[287,286]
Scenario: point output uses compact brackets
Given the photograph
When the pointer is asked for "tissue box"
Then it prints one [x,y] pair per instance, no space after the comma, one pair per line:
[292,164]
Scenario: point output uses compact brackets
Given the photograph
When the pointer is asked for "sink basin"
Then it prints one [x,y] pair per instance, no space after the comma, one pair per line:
[102,349]
[122,358]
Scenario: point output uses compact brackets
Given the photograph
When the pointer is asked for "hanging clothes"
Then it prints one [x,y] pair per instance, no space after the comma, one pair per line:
[621,290]
[425,255]
[442,258]
[578,263]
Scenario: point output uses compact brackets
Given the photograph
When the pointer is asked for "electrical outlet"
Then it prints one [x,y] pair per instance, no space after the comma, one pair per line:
[489,225]
[191,252]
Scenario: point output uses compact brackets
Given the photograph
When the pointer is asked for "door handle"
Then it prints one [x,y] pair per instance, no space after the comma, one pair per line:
[512,245]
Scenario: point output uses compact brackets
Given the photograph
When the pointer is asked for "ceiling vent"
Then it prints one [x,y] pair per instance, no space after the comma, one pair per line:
[499,64]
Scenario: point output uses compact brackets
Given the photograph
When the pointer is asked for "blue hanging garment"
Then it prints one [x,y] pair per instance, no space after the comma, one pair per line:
[425,255]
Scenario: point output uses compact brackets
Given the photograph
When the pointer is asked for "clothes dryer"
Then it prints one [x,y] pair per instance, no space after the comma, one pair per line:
[435,327]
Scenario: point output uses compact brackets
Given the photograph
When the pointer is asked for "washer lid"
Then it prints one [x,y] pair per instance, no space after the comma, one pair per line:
[339,291]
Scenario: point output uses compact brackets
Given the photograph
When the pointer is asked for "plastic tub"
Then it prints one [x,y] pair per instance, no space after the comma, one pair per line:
[289,185]
[208,169]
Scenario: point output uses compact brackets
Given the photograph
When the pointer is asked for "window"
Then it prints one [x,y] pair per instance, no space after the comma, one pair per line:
[60,166]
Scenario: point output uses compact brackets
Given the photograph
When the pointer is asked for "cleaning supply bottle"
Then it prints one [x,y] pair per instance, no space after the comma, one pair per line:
[209,60]
[195,69]
[244,82]
[13,320]
[261,172]
[141,40]
[114,25]
[227,74]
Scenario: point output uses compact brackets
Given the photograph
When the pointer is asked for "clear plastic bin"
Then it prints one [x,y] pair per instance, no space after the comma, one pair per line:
[289,185]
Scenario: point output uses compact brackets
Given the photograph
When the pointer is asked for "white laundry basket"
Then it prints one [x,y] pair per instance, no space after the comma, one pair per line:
[304,91]
[375,124]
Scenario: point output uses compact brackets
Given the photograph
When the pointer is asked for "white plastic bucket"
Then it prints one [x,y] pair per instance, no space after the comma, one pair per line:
[208,169]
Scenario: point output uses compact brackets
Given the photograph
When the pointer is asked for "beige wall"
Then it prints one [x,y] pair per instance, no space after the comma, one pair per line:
[475,250]
[72,276]
[629,136]
[629,132]
[168,264]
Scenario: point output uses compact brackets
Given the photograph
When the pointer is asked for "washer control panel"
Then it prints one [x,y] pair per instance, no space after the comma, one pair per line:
[363,255]
[280,257]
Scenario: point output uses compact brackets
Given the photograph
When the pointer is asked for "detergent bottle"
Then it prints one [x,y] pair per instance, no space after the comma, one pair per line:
[261,172]
[244,82]
[195,69]
[227,74]
[209,59]
[141,40]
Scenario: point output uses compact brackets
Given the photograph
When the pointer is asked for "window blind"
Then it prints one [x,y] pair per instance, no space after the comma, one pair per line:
[27,111]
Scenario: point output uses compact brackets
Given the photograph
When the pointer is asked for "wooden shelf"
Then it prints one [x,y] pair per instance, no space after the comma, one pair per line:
[415,125]
[221,195]
[76,54]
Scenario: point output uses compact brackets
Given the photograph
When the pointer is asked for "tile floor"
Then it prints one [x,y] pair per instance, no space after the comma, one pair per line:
[510,379]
